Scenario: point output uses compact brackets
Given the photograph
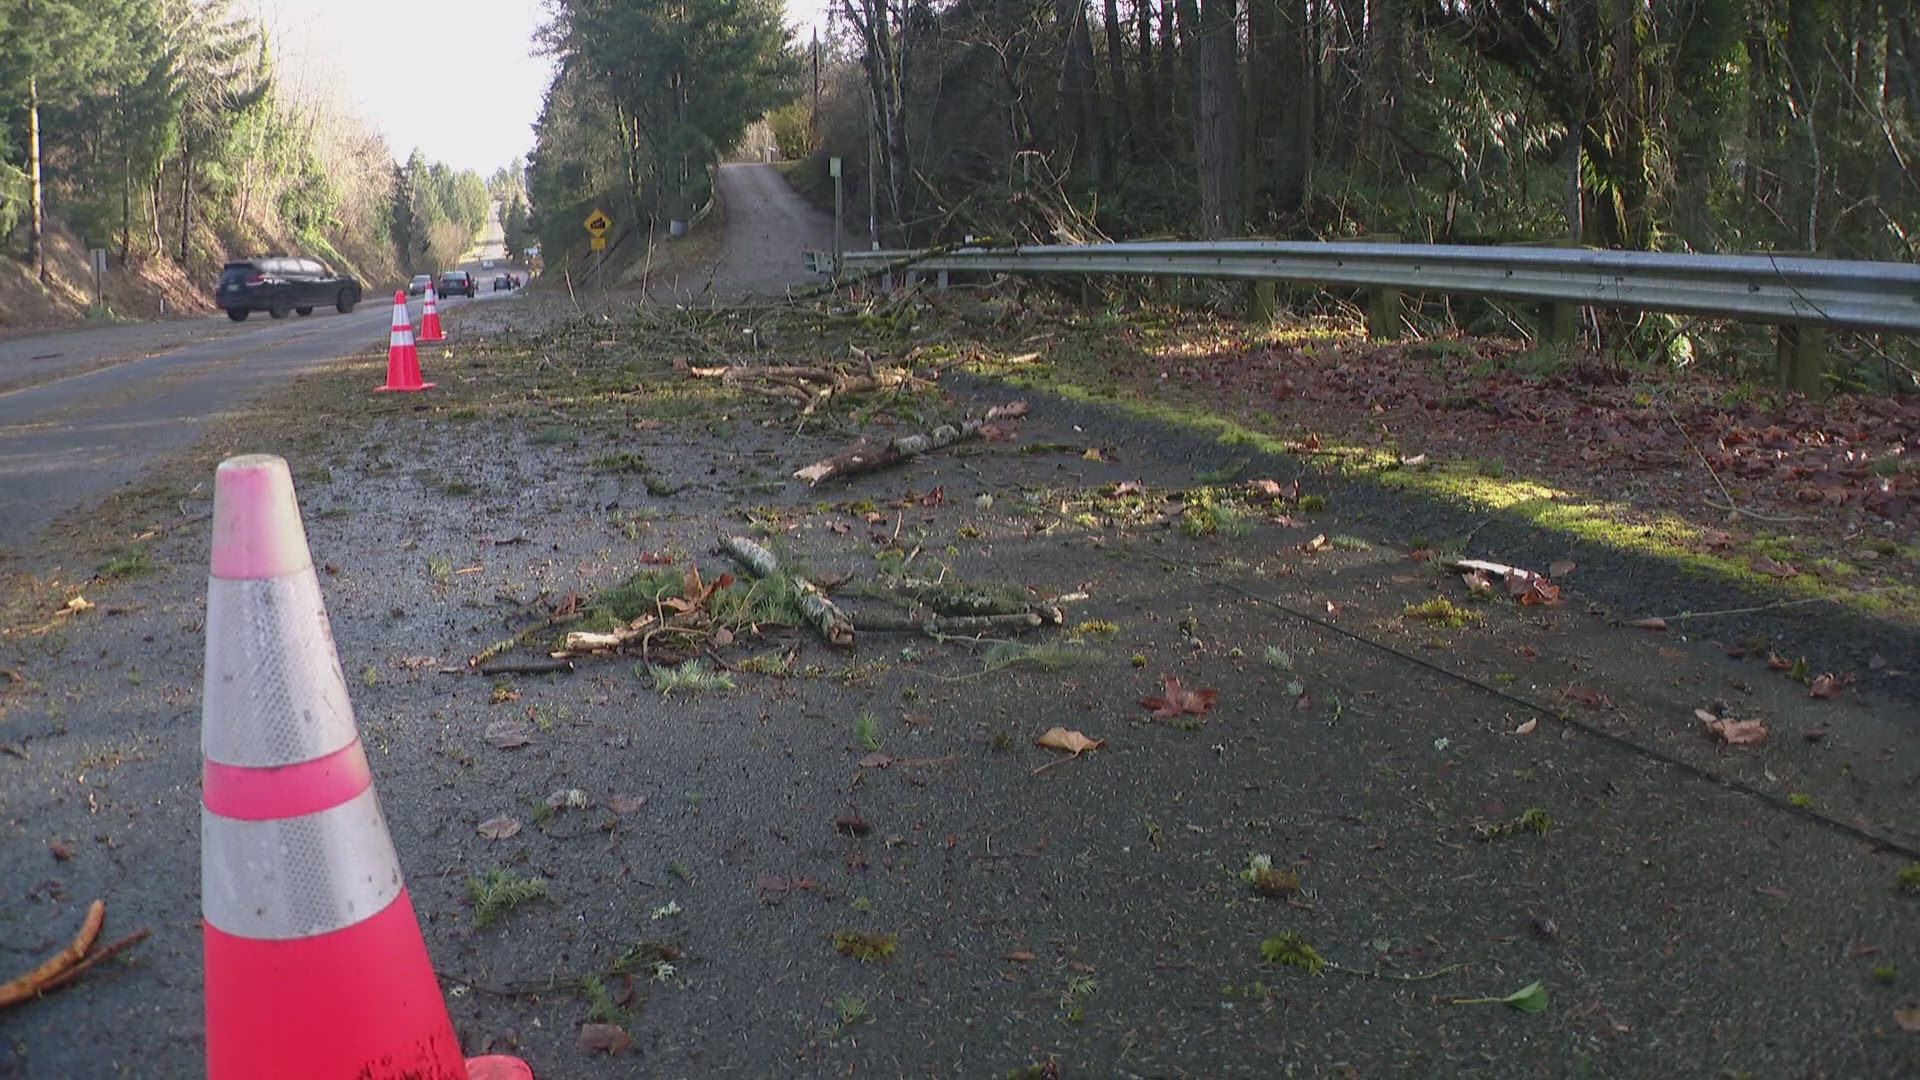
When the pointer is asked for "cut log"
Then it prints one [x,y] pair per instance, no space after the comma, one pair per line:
[868,456]
[831,623]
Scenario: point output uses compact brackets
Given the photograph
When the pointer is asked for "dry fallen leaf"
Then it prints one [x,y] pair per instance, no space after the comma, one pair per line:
[609,1037]
[1908,1018]
[1526,728]
[626,804]
[61,850]
[1829,686]
[1649,624]
[1129,487]
[1540,591]
[1772,568]
[852,825]
[1477,581]
[1734,732]
[1561,568]
[1019,957]
[1092,454]
[507,734]
[876,761]
[498,828]
[1178,699]
[1073,742]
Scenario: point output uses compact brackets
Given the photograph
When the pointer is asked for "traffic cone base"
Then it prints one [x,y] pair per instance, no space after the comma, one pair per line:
[403,359]
[315,965]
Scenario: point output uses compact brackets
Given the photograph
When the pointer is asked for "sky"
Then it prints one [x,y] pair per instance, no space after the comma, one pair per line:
[455,78]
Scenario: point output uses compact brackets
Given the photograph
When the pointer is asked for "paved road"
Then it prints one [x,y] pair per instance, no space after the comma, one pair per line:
[85,411]
[768,231]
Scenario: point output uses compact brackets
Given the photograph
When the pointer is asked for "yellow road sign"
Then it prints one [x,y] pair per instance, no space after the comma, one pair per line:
[598,222]
[598,243]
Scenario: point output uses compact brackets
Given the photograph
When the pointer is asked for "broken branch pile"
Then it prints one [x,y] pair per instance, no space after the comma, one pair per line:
[829,620]
[811,387]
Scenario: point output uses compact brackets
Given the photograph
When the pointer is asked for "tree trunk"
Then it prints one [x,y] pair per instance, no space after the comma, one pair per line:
[1150,111]
[1078,126]
[36,240]
[1216,117]
[186,198]
[1117,80]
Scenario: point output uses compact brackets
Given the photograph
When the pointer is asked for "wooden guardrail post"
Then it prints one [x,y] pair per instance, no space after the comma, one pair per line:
[1262,308]
[1800,350]
[1555,322]
[1386,308]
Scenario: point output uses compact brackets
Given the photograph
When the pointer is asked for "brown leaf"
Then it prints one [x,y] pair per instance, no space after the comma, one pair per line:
[1129,487]
[1541,591]
[61,850]
[1092,454]
[626,804]
[852,825]
[1771,568]
[1586,696]
[1908,1018]
[1829,685]
[1776,662]
[1561,568]
[1019,957]
[1649,624]
[1178,699]
[1477,581]
[1774,891]
[1073,742]
[935,497]
[1735,732]
[498,828]
[656,558]
[507,734]
[1266,491]
[876,761]
[609,1037]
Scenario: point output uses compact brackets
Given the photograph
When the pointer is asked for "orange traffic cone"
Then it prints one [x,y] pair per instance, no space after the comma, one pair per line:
[315,967]
[403,360]
[430,318]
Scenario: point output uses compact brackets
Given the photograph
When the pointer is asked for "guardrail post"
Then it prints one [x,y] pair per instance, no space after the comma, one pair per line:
[1386,308]
[1801,350]
[1262,308]
[1555,322]
[1802,354]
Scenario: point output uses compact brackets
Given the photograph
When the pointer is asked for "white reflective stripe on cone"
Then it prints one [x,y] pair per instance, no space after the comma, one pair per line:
[273,693]
[297,877]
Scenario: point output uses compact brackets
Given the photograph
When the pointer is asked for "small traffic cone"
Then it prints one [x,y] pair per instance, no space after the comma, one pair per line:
[403,360]
[315,967]
[430,318]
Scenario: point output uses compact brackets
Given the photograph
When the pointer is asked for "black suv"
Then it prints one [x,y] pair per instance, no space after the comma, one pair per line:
[458,283]
[277,284]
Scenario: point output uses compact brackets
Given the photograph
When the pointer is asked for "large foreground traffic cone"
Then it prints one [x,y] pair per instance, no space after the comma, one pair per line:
[430,318]
[403,360]
[315,967]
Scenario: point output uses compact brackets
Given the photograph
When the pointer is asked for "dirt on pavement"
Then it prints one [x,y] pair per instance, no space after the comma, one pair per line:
[1451,801]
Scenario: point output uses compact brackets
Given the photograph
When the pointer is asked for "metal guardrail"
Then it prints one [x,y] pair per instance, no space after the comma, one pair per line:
[1784,289]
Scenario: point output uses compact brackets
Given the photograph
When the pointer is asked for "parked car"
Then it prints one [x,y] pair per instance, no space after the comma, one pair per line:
[458,283]
[504,281]
[277,284]
[419,284]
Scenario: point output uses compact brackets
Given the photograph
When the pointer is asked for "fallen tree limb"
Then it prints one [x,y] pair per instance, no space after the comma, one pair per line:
[867,457]
[948,624]
[524,667]
[830,621]
[44,977]
[518,639]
